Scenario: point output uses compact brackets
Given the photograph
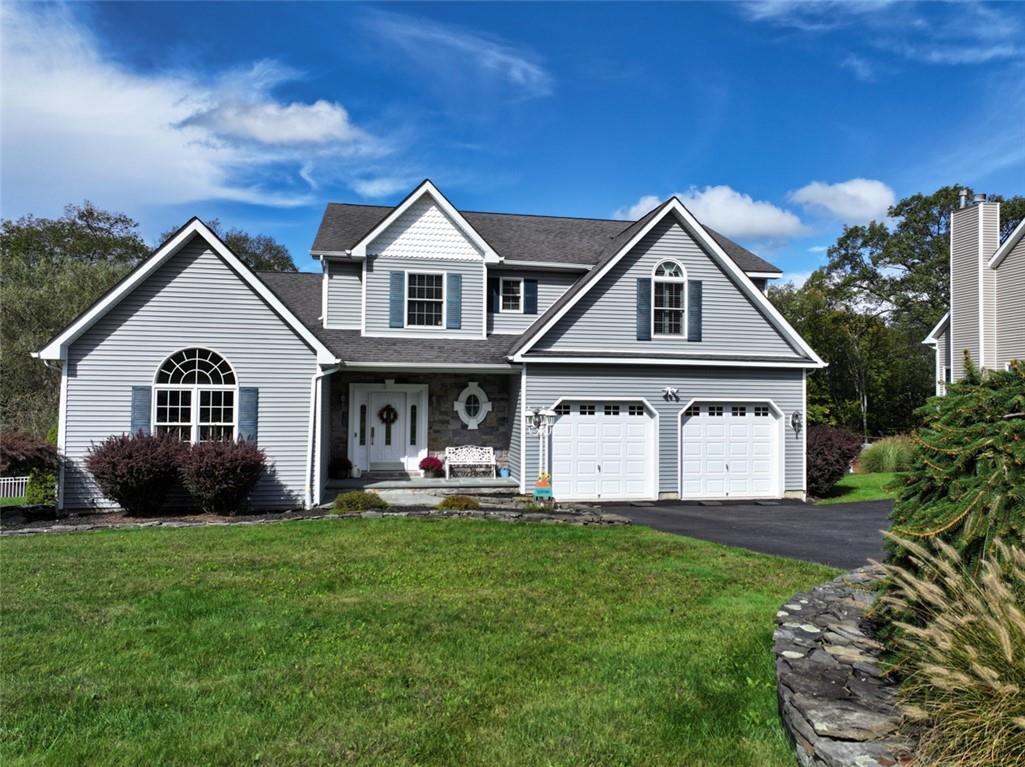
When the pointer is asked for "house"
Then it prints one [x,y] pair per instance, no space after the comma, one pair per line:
[986,317]
[662,367]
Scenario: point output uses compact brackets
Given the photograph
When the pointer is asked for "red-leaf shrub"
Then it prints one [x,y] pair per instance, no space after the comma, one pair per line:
[432,463]
[22,453]
[220,475]
[136,470]
[830,452]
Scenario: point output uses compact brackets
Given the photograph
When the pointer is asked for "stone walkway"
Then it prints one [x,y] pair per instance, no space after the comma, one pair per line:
[833,698]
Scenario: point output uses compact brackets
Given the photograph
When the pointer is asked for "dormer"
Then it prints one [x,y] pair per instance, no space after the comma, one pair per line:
[419,269]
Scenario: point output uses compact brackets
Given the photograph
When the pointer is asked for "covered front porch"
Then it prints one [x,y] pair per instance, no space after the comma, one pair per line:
[380,424]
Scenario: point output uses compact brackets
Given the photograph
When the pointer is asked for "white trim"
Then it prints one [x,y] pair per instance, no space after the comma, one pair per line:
[359,250]
[405,303]
[359,394]
[311,494]
[62,432]
[712,247]
[523,429]
[726,363]
[934,335]
[1008,245]
[323,294]
[759,355]
[764,275]
[501,295]
[472,388]
[429,366]
[57,349]
[656,431]
[686,300]
[781,444]
[804,441]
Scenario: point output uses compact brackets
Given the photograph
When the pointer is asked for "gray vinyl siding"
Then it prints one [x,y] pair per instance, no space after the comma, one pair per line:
[550,285]
[605,318]
[193,300]
[990,243]
[378,292]
[344,294]
[964,287]
[547,383]
[1011,306]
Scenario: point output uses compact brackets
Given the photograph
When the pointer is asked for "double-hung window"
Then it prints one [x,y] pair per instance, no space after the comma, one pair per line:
[668,307]
[425,299]
[512,295]
[194,397]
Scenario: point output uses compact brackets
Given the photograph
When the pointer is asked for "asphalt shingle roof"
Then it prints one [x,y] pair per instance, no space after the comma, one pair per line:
[301,293]
[516,237]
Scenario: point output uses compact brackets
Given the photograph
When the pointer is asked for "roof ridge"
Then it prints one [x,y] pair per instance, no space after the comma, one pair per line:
[497,213]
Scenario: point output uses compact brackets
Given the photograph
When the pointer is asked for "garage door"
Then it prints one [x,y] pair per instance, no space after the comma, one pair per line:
[729,449]
[602,451]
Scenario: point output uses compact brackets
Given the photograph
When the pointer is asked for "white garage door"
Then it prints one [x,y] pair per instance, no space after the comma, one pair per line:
[729,450]
[603,451]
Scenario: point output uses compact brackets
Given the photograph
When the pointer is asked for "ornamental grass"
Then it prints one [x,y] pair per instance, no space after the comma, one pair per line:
[960,651]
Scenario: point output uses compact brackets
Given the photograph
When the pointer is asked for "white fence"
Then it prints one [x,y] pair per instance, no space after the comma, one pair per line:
[13,487]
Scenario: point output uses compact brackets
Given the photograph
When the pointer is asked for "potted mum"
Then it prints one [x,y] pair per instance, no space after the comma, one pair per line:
[431,466]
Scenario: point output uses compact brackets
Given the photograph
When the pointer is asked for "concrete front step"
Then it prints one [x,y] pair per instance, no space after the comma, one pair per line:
[430,485]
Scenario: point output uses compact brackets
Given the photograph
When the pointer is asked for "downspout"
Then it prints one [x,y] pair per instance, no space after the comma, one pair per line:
[313,429]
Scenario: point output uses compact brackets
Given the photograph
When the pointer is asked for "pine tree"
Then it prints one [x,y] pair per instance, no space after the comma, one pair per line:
[967,485]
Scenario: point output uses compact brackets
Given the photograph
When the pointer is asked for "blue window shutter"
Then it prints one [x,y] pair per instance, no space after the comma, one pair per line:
[248,408]
[493,289]
[396,299]
[643,309]
[530,296]
[454,301]
[142,400]
[694,310]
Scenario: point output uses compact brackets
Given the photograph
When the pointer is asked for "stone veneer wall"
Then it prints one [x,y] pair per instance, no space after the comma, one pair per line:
[834,699]
[444,428]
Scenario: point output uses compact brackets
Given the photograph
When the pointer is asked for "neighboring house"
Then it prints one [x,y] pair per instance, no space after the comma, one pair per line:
[668,371]
[987,294]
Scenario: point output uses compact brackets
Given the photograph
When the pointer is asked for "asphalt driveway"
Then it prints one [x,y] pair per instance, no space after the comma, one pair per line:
[843,534]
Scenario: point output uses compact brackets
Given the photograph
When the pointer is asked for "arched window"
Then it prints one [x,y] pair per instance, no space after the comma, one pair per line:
[195,397]
[669,299]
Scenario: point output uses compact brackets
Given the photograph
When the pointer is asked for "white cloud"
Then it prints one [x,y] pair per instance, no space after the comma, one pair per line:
[459,55]
[798,278]
[78,124]
[930,33]
[855,201]
[860,66]
[728,211]
[382,186]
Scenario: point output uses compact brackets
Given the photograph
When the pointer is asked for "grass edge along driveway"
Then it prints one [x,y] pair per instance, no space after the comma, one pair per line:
[390,642]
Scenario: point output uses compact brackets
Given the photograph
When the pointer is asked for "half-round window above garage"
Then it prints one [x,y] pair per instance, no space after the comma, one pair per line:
[196,367]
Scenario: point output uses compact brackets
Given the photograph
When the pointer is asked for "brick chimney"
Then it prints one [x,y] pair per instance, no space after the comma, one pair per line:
[974,238]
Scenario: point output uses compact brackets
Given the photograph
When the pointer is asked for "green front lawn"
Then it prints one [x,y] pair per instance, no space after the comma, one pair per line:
[390,642]
[862,487]
[20,501]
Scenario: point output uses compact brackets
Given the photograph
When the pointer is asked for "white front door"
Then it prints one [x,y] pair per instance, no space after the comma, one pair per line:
[388,442]
[730,450]
[602,451]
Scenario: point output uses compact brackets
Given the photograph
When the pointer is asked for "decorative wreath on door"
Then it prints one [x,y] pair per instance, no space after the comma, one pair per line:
[388,415]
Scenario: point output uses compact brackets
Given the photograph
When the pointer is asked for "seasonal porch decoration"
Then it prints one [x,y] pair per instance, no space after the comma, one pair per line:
[432,466]
[388,415]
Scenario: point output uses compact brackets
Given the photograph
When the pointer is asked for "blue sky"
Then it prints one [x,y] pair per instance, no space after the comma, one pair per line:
[775,122]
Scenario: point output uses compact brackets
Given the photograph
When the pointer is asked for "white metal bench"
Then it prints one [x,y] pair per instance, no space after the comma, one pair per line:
[470,455]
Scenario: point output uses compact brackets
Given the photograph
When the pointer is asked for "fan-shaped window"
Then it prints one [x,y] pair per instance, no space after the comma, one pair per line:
[194,397]
[196,366]
[668,307]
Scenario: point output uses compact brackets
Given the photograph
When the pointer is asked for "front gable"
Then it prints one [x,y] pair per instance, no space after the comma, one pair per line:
[607,320]
[426,231]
